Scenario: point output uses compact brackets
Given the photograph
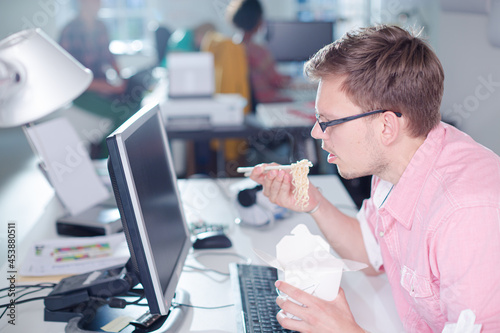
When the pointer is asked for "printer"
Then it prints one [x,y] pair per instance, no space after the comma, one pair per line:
[191,101]
[219,110]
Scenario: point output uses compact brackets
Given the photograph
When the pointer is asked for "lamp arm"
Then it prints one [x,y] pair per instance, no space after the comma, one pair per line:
[41,164]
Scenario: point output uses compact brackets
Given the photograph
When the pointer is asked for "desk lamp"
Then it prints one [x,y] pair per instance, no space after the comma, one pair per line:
[37,76]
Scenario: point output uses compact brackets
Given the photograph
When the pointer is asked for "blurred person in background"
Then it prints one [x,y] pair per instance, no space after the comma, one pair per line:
[87,39]
[266,81]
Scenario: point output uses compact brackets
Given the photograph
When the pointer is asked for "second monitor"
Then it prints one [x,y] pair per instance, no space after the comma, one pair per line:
[297,40]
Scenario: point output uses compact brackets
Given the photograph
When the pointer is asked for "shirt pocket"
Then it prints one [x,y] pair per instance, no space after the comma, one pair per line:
[417,286]
[425,309]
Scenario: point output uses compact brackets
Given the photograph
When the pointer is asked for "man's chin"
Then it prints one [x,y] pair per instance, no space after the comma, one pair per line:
[349,174]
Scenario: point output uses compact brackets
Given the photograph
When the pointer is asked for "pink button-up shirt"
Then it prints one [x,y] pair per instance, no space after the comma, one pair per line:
[436,233]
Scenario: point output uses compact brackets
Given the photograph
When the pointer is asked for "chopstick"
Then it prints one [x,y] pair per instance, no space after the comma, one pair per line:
[248,170]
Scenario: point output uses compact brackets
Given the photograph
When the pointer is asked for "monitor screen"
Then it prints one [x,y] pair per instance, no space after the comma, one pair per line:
[145,187]
[296,40]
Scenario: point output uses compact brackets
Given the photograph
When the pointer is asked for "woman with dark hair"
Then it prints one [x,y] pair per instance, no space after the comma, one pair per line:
[266,82]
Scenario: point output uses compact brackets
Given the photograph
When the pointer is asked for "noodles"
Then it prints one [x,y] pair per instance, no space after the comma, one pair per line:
[299,172]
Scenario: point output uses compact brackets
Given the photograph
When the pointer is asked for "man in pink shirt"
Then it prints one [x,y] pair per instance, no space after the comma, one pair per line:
[432,223]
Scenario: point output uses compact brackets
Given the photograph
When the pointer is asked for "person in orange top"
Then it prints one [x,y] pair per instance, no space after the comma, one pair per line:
[266,82]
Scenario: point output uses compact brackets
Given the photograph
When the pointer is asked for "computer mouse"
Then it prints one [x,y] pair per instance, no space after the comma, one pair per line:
[211,240]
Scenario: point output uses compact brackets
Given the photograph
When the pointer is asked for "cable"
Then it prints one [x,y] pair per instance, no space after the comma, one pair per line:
[116,302]
[136,292]
[24,300]
[136,302]
[202,307]
[16,302]
[17,290]
[112,302]
[247,260]
[39,285]
[1,315]
[207,270]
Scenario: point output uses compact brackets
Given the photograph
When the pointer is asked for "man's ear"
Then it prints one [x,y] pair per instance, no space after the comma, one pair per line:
[391,128]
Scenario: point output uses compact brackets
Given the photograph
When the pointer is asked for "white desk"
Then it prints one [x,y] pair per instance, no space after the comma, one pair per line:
[370,298]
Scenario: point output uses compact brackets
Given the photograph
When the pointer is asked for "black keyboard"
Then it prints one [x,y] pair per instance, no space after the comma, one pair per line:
[255,298]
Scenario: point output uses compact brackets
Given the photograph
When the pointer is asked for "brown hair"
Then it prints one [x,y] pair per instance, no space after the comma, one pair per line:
[386,67]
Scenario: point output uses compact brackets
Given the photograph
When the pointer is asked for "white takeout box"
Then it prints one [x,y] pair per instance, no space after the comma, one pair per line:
[307,263]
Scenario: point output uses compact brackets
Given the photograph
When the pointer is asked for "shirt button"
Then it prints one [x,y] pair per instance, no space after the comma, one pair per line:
[381,234]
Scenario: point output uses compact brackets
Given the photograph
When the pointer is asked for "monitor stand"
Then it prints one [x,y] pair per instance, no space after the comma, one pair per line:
[96,316]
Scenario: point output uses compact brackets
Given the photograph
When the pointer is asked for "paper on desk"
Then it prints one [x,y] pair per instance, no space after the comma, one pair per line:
[307,263]
[68,165]
[75,255]
[287,114]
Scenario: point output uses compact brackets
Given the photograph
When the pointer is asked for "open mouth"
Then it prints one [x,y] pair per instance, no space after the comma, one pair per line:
[331,158]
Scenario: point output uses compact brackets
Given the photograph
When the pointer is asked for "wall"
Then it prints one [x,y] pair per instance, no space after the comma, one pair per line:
[180,13]
[24,14]
[472,76]
[470,62]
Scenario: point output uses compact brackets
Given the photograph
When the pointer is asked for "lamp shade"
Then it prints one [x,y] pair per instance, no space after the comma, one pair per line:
[37,76]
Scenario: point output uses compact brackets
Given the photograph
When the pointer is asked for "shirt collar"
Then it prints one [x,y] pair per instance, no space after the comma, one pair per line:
[402,202]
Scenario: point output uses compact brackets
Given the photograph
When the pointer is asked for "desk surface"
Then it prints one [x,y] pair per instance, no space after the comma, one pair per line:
[370,298]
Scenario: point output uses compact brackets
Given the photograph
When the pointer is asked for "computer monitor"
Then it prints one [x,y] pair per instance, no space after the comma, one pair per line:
[145,187]
[290,41]
[158,238]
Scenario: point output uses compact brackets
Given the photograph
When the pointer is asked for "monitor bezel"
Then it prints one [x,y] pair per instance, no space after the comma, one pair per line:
[159,300]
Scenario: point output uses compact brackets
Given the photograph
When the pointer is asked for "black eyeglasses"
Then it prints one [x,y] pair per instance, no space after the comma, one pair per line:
[326,124]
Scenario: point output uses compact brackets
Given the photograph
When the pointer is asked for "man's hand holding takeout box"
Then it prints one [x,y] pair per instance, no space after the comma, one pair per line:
[305,261]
